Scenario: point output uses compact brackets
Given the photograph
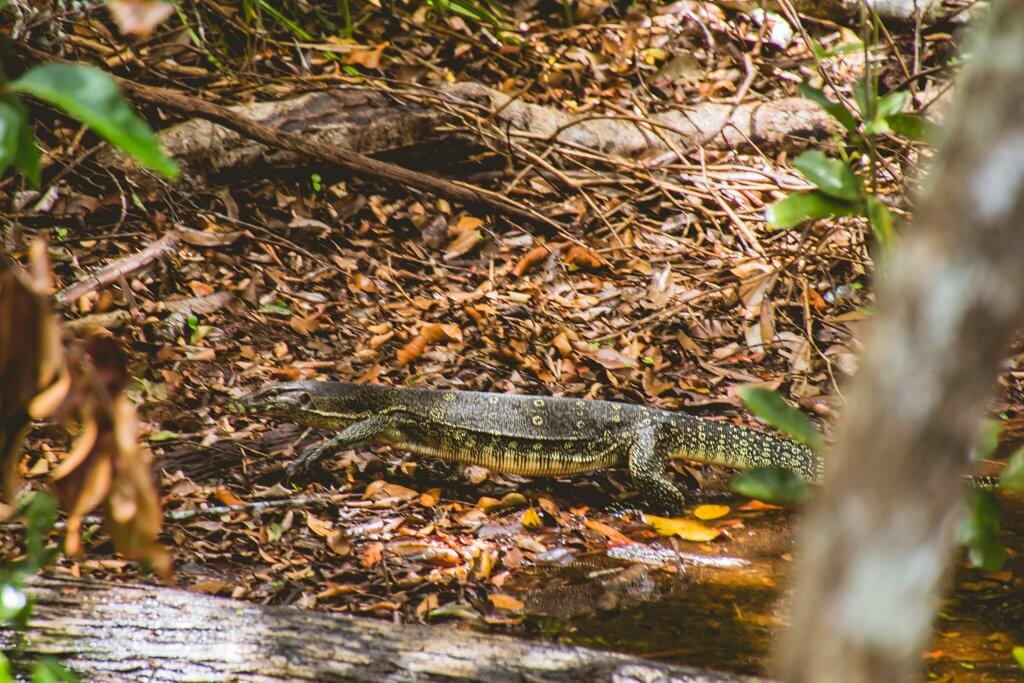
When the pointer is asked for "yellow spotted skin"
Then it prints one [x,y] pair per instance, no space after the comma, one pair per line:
[529,435]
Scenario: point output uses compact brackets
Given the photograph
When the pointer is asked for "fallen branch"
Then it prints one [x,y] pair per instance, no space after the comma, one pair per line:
[119,269]
[349,160]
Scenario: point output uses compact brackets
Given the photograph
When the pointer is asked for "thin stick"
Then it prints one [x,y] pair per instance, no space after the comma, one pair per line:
[119,269]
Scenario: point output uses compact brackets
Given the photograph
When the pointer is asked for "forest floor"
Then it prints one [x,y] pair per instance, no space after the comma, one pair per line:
[672,293]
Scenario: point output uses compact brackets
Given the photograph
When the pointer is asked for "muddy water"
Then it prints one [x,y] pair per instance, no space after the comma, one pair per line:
[718,605]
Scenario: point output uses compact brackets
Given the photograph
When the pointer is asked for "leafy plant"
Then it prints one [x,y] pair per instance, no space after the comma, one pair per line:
[87,94]
[490,14]
[840,191]
[39,512]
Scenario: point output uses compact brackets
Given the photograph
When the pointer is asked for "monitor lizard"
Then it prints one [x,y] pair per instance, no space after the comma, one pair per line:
[528,435]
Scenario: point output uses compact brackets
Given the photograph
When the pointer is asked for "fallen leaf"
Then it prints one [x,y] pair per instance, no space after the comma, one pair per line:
[462,244]
[707,512]
[502,601]
[530,519]
[227,497]
[613,535]
[686,529]
[429,499]
[532,259]
[428,334]
[582,257]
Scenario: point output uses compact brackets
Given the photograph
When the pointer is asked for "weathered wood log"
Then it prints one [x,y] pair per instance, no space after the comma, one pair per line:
[114,632]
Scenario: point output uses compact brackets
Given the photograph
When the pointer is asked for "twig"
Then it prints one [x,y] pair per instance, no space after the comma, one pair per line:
[119,269]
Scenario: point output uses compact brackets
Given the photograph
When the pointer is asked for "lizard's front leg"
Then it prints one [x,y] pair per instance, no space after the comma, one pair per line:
[647,470]
[358,434]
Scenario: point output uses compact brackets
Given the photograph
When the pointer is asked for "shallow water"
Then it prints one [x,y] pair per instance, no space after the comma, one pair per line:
[719,604]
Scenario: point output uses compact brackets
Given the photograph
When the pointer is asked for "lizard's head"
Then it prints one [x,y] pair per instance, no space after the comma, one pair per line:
[287,400]
[316,404]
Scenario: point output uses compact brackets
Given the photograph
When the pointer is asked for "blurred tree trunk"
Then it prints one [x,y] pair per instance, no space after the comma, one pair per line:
[876,544]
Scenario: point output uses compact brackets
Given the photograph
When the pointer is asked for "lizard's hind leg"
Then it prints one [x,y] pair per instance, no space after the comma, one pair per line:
[647,470]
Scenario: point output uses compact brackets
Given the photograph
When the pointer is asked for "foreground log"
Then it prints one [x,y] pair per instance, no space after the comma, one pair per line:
[112,632]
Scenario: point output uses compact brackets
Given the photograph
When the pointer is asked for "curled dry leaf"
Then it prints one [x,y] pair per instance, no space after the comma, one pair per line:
[82,390]
[429,334]
[30,357]
[534,258]
[584,258]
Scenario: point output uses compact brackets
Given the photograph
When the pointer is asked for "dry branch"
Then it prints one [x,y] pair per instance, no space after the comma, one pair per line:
[346,159]
[119,269]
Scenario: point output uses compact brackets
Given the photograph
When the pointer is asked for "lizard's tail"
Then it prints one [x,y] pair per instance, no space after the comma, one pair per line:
[725,444]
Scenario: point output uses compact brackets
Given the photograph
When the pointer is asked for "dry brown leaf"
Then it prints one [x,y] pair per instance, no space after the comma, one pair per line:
[430,333]
[429,499]
[585,258]
[507,602]
[532,259]
[613,535]
[226,497]
[463,243]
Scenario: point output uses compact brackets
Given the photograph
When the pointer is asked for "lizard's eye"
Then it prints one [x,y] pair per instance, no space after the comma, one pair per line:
[304,399]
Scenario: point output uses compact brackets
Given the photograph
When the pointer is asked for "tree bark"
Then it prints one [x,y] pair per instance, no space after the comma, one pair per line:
[876,545]
[115,632]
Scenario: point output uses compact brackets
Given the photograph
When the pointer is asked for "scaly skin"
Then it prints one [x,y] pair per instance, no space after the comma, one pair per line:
[529,435]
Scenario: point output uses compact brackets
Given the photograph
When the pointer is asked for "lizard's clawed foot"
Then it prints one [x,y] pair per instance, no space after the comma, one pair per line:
[300,468]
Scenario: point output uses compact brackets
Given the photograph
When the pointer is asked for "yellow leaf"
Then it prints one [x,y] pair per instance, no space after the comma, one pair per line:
[502,601]
[707,512]
[530,519]
[686,529]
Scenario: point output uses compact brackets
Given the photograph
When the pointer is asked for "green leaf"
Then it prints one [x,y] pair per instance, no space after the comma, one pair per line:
[164,435]
[276,307]
[771,484]
[913,127]
[1018,654]
[804,206]
[769,407]
[5,664]
[40,513]
[831,176]
[979,531]
[17,145]
[1012,476]
[891,104]
[91,96]
[987,438]
[49,670]
[840,113]
[881,221]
